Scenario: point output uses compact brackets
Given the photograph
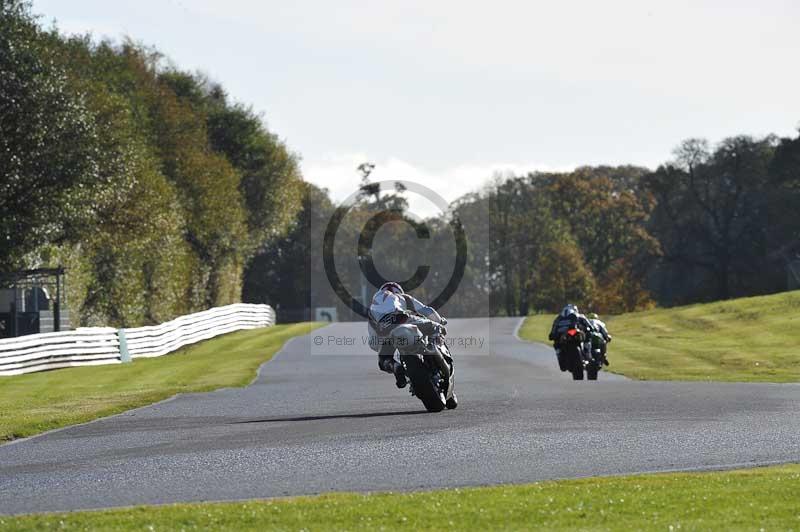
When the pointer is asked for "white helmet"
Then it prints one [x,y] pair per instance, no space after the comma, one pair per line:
[393,287]
[569,310]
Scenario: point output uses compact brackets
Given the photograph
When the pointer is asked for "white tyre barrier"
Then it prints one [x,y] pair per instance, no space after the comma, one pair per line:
[91,346]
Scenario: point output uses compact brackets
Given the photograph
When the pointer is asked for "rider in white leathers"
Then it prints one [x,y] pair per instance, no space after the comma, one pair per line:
[391,308]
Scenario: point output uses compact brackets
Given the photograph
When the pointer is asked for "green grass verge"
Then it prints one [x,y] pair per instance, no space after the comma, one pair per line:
[749,339]
[751,499]
[34,403]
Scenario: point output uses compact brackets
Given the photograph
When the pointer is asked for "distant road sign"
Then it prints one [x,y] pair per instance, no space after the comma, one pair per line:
[325,314]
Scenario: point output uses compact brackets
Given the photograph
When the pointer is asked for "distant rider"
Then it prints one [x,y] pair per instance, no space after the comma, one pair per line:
[602,331]
[569,318]
[391,307]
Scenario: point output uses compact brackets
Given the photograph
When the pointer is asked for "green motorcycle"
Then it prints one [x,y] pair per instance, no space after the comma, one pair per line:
[598,360]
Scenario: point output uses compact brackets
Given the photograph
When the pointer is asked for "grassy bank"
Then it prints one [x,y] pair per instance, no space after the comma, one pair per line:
[749,339]
[761,498]
[37,402]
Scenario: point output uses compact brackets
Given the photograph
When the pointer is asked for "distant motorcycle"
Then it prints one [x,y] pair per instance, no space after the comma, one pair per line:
[598,360]
[429,369]
[573,355]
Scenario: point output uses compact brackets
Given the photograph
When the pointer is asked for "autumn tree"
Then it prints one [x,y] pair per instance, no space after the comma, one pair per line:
[146,182]
[563,277]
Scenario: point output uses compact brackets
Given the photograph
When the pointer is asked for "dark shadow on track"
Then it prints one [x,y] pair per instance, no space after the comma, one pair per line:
[337,416]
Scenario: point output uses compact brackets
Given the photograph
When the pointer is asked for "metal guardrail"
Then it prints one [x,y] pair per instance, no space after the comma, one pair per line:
[91,346]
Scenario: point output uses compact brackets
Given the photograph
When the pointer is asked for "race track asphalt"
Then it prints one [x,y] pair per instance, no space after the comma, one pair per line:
[323,418]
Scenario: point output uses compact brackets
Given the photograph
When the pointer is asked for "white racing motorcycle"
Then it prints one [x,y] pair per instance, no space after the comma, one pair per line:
[428,365]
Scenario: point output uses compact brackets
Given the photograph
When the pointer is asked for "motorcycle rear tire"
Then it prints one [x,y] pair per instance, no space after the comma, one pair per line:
[424,388]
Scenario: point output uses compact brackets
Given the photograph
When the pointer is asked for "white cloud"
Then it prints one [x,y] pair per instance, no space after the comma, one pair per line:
[338,173]
[458,90]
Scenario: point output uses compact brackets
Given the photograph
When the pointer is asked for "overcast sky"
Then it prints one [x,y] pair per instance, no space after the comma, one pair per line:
[446,92]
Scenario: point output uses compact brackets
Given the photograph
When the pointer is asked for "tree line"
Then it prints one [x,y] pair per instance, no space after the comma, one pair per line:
[162,196]
[713,223]
[148,183]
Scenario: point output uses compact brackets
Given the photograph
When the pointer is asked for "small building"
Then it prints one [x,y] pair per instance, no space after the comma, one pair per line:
[33,301]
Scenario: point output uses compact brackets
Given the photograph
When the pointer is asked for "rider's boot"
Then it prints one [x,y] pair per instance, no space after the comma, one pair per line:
[399,374]
[390,365]
[603,353]
[588,357]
